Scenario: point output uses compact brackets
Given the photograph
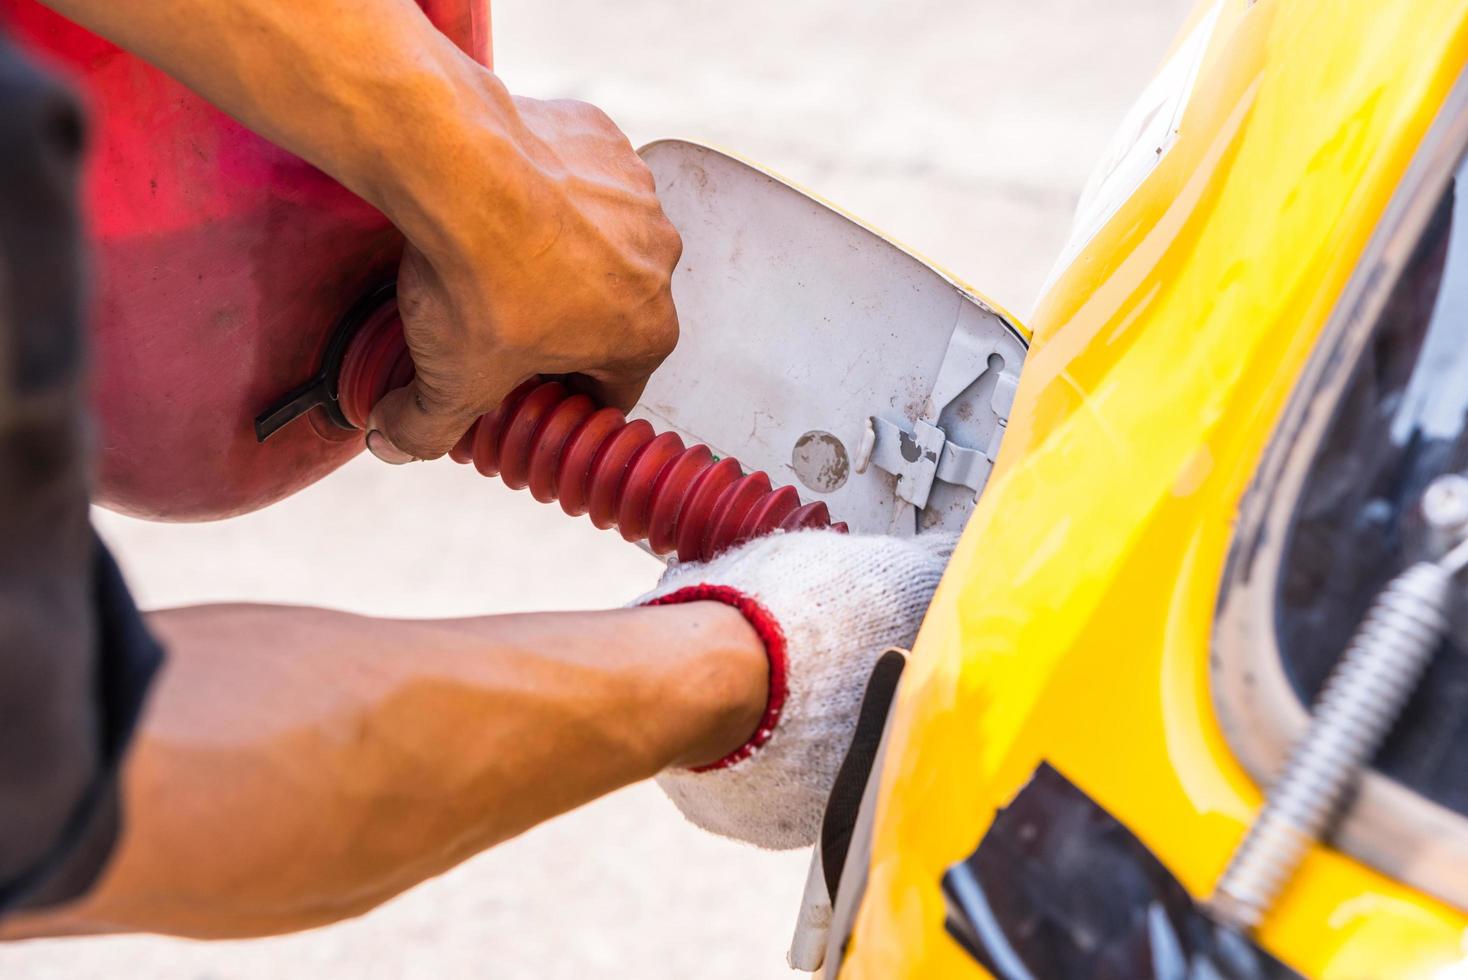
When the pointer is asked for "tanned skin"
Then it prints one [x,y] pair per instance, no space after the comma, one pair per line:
[536,241]
[298,766]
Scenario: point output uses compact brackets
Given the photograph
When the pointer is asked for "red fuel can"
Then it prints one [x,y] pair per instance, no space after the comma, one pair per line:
[222,266]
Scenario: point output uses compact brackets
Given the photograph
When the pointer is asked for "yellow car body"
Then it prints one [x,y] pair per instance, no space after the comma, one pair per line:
[1075,623]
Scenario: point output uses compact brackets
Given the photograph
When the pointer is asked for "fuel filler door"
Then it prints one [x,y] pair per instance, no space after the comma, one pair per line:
[828,356]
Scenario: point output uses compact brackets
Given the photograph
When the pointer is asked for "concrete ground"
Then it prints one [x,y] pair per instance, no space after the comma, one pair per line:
[964,130]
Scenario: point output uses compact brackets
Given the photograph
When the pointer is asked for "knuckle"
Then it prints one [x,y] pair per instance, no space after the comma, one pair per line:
[665,333]
[434,409]
[597,117]
[642,175]
[586,115]
[671,241]
[594,116]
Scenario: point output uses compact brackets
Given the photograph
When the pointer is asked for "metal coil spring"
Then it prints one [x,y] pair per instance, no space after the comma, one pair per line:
[562,446]
[1353,715]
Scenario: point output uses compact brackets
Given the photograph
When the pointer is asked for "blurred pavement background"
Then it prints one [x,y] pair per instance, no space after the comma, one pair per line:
[964,130]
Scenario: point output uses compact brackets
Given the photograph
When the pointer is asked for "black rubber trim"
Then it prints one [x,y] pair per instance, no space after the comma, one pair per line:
[321,390]
[1058,888]
[844,803]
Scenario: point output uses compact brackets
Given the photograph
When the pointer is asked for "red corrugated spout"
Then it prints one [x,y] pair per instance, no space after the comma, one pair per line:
[565,448]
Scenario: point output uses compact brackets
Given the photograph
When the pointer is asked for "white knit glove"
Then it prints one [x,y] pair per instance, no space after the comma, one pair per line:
[826,606]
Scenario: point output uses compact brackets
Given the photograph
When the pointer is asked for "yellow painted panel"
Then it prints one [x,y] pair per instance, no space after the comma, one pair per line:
[1074,623]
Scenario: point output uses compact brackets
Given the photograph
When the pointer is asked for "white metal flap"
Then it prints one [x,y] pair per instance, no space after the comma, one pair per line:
[824,354]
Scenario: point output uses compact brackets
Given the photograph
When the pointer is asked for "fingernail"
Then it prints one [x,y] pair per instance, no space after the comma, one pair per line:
[379,446]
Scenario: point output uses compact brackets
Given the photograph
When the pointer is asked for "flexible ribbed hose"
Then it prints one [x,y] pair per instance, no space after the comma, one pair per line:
[562,446]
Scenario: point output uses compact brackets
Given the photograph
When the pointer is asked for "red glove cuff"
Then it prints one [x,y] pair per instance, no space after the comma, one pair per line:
[770,634]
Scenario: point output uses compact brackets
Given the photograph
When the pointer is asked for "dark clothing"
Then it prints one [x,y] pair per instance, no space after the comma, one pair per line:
[124,662]
[75,658]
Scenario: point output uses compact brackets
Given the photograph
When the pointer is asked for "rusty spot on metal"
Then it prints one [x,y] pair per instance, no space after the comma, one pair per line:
[820,460]
[911,451]
[908,446]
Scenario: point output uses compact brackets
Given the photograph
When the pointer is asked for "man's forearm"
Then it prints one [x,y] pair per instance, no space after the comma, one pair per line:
[367,90]
[298,766]
[536,241]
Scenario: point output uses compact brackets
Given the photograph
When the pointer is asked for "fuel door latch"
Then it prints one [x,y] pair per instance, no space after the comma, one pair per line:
[956,439]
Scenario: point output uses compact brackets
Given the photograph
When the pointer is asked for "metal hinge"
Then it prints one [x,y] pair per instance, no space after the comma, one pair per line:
[921,454]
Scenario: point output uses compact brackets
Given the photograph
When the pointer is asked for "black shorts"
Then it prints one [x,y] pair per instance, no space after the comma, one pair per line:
[75,658]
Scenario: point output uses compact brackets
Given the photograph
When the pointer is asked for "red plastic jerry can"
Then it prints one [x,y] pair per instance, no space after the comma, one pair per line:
[223,264]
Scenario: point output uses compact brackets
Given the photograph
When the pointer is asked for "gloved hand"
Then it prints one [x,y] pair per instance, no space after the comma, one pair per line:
[826,605]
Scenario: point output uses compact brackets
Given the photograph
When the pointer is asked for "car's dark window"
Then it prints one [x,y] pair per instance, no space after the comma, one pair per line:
[1399,424]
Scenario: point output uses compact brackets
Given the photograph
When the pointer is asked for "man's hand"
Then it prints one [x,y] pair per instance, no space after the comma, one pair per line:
[537,245]
[573,279]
